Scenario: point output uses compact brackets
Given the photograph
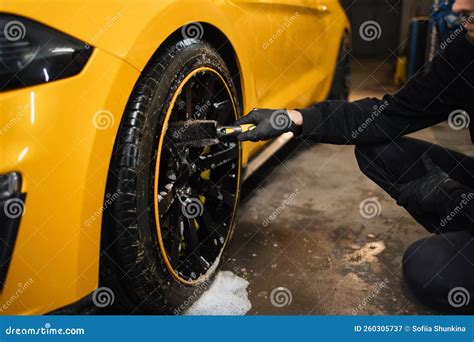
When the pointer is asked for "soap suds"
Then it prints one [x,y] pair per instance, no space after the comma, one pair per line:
[226,296]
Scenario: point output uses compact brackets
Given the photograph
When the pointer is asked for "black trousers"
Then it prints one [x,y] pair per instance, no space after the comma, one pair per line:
[439,270]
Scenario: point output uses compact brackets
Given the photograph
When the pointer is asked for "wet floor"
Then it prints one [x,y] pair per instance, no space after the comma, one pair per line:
[315,236]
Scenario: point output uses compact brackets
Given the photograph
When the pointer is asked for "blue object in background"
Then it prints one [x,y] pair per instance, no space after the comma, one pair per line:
[442,23]
[416,54]
[428,37]
[444,19]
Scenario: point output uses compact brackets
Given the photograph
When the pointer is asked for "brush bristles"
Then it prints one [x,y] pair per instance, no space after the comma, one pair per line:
[197,133]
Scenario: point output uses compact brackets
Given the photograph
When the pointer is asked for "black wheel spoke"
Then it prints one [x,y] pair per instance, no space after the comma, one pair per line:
[189,100]
[190,232]
[218,158]
[222,111]
[166,198]
[207,188]
[212,227]
[207,94]
[175,230]
[193,247]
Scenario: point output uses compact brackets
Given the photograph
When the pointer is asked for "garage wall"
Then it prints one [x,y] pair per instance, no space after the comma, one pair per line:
[412,9]
[387,14]
[393,17]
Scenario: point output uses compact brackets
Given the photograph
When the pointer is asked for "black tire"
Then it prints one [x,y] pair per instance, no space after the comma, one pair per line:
[341,79]
[131,262]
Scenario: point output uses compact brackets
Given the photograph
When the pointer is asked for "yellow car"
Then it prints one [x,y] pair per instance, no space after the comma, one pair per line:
[97,202]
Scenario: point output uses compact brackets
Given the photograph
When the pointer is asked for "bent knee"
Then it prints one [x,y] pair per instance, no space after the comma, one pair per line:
[432,268]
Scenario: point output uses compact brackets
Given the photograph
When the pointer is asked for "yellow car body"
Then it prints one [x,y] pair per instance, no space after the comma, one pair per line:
[286,52]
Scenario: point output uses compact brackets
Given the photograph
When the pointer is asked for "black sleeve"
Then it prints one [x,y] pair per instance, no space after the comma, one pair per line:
[425,100]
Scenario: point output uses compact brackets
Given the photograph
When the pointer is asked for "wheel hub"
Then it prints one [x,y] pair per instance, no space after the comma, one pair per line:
[197,187]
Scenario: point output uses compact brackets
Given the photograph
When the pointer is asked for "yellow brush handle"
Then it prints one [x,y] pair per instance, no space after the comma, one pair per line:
[247,127]
[234,130]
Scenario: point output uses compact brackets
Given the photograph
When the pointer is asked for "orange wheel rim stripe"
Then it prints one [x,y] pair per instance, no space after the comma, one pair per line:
[157,168]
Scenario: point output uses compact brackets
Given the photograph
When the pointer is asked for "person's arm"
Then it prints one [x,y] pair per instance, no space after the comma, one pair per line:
[425,100]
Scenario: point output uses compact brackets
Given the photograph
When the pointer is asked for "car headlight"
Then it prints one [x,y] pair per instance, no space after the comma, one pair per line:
[9,184]
[31,53]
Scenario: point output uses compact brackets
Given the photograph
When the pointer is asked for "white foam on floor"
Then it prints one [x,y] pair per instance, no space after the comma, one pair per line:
[226,296]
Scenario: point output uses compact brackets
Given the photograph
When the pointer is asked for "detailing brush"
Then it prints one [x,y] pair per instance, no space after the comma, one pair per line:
[200,133]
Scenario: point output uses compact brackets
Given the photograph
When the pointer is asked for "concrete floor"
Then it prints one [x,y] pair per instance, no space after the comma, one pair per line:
[299,227]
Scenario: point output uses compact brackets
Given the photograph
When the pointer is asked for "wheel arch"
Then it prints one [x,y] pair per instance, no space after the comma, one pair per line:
[223,46]
[221,43]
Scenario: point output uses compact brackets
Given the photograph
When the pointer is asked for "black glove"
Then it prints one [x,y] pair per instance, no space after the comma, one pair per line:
[270,124]
[430,193]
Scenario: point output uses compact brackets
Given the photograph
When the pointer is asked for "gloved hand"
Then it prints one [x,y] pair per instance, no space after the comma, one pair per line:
[430,193]
[270,123]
